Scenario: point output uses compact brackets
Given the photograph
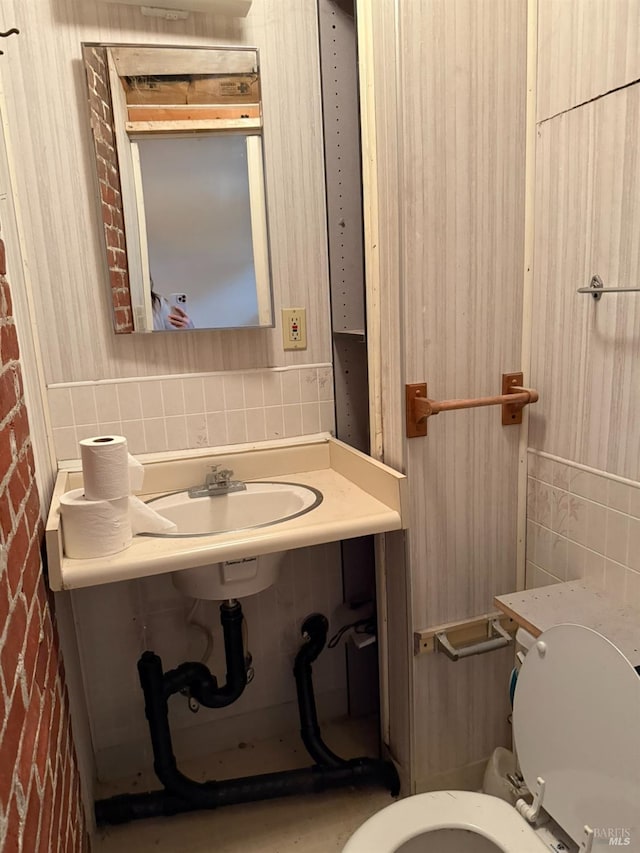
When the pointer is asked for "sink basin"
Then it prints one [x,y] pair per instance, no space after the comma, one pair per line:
[262,504]
[231,579]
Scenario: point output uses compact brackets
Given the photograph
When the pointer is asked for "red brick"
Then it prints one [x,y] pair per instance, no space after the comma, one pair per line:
[104,151]
[42,664]
[43,602]
[116,280]
[56,709]
[107,133]
[122,321]
[47,625]
[108,195]
[19,383]
[31,459]
[12,841]
[17,485]
[20,423]
[107,211]
[29,733]
[8,344]
[32,820]
[18,550]
[8,394]
[6,306]
[14,641]
[6,518]
[32,510]
[44,738]
[32,645]
[121,298]
[63,746]
[101,89]
[7,452]
[67,795]
[17,493]
[53,666]
[23,471]
[45,825]
[32,571]
[113,241]
[3,259]
[56,815]
[10,743]
[5,604]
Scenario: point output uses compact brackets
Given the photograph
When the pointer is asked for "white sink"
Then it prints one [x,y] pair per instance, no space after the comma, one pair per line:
[231,579]
[260,505]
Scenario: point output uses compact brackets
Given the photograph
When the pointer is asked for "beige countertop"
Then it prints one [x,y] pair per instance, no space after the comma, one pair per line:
[575,602]
[360,497]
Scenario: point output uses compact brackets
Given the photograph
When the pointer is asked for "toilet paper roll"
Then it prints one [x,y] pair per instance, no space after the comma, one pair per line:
[94,528]
[108,470]
[144,519]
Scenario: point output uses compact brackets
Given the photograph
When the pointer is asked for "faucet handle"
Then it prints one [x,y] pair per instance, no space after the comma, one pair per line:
[224,475]
[212,475]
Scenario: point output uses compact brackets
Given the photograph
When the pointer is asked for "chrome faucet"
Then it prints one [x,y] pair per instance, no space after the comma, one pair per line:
[217,482]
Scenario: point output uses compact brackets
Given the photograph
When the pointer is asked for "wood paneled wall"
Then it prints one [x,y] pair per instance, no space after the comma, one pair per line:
[55,182]
[463,67]
[585,49]
[450,254]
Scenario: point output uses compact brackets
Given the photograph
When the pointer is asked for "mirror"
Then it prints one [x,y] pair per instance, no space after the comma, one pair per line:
[177,136]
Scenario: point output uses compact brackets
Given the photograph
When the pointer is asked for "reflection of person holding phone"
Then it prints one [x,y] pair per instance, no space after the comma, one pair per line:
[169,315]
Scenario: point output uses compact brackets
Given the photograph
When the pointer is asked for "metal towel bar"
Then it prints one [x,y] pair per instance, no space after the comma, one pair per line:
[597,289]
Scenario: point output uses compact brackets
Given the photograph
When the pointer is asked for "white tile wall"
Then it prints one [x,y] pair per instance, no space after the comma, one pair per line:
[117,622]
[198,410]
[582,524]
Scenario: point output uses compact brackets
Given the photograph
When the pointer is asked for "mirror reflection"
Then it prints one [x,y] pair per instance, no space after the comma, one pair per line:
[178,142]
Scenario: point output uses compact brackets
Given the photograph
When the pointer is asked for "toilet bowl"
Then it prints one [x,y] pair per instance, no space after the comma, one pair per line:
[576,723]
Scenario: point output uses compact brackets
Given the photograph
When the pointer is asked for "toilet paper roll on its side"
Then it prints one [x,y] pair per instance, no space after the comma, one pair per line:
[94,528]
[108,470]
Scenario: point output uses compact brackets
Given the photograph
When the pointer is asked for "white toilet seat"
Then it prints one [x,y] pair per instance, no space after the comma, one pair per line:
[488,816]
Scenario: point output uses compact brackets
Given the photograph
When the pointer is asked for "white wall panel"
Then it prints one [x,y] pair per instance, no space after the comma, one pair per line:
[586,354]
[585,49]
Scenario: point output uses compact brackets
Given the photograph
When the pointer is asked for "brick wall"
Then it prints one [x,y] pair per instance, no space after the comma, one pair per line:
[40,807]
[109,183]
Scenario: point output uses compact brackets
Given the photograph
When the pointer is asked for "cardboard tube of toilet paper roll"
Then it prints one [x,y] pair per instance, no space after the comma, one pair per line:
[108,470]
[94,528]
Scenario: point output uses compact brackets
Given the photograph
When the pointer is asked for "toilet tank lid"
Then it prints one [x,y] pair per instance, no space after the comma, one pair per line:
[576,725]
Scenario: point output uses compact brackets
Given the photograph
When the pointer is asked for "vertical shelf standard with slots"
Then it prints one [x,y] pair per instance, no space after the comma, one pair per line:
[339,72]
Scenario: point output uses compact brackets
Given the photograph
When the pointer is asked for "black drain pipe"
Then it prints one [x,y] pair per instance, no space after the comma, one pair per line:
[196,678]
[182,794]
[314,630]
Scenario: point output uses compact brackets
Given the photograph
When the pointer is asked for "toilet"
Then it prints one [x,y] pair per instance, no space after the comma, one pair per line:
[576,726]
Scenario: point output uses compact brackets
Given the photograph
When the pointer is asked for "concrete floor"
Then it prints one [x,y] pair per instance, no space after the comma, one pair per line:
[319,823]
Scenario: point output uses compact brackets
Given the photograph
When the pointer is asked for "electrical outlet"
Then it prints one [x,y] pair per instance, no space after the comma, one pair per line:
[294,328]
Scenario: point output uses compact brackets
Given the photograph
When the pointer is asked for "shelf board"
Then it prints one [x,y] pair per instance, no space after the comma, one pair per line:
[358,335]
